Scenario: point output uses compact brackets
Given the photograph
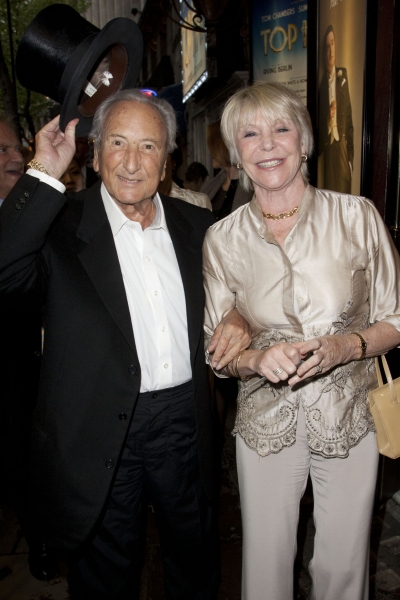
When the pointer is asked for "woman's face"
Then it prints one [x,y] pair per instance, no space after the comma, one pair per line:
[270,153]
[73,178]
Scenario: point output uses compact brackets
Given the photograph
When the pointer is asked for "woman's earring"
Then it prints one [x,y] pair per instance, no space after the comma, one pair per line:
[304,158]
[238,166]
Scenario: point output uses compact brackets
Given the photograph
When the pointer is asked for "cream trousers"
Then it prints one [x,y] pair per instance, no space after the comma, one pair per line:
[270,493]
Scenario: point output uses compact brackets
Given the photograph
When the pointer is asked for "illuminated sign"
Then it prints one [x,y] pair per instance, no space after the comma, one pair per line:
[194,47]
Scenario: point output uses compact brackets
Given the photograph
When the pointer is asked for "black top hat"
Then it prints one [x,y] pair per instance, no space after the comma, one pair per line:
[63,56]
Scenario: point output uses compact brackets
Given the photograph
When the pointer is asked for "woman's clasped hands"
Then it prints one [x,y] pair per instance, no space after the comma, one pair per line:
[301,360]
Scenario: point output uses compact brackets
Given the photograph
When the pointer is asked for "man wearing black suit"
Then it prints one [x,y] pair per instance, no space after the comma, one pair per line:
[123,404]
[335,122]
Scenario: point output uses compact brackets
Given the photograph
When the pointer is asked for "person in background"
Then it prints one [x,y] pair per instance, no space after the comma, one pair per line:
[73,178]
[20,344]
[224,190]
[84,157]
[168,187]
[11,159]
[226,195]
[196,175]
[316,275]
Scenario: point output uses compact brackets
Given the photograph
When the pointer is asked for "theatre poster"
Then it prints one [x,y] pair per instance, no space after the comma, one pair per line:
[341,23]
[279,43]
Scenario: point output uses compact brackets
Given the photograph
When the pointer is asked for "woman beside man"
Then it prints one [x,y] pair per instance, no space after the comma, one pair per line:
[316,275]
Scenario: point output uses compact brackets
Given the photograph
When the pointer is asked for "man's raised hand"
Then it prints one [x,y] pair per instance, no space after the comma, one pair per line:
[55,149]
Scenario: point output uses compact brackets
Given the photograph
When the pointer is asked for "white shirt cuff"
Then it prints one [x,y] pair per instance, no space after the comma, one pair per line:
[47,179]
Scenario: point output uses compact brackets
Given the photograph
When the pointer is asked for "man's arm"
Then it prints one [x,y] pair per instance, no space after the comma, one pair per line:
[231,336]
[26,215]
[226,332]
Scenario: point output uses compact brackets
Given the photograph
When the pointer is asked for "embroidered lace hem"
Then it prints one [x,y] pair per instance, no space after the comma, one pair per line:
[326,443]
[265,446]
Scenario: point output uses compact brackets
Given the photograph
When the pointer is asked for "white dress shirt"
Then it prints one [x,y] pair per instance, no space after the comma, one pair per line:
[155,295]
[154,291]
[333,130]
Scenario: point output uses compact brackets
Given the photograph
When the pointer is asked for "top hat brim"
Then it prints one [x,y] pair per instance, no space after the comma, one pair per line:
[121,37]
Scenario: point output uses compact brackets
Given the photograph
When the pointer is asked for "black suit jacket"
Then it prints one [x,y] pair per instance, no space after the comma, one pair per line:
[58,253]
[344,118]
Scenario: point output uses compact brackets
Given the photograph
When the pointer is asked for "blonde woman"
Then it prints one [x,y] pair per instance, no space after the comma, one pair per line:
[316,275]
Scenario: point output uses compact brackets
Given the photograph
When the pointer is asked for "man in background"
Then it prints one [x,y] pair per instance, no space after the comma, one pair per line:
[335,123]
[11,160]
[20,344]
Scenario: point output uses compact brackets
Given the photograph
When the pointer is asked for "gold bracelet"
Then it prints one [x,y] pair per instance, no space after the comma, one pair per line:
[237,374]
[35,164]
[362,344]
[232,368]
[239,356]
[229,370]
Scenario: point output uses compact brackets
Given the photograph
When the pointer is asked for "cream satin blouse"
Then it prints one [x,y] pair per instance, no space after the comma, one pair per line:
[338,272]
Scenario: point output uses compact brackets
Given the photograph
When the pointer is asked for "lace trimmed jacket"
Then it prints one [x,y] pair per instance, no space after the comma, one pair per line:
[337,272]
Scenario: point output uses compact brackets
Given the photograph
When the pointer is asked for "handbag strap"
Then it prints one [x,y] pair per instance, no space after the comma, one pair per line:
[378,372]
[389,379]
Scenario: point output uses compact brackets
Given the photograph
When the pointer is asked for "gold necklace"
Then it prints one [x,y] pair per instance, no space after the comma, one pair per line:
[282,215]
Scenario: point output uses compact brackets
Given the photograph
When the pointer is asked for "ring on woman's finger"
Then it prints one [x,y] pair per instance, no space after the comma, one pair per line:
[278,371]
[319,369]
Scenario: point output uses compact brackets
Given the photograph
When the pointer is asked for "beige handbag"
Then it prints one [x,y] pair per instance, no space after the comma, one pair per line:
[384,404]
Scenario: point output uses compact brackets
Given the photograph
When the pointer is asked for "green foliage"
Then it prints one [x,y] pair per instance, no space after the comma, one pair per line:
[22,13]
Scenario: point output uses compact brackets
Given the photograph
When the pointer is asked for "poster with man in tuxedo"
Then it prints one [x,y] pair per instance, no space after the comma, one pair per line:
[336,131]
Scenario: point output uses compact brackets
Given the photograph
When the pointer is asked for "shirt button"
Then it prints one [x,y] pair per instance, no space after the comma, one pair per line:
[109,463]
[155,293]
[300,298]
[162,329]
[289,239]
[122,417]
[132,369]
[166,366]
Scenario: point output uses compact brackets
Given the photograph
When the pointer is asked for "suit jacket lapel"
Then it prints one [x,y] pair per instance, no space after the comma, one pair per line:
[100,260]
[190,263]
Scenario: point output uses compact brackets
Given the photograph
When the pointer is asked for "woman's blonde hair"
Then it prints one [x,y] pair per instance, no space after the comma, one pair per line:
[272,101]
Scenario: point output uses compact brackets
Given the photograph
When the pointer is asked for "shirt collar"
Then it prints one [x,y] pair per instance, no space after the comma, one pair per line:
[332,76]
[117,219]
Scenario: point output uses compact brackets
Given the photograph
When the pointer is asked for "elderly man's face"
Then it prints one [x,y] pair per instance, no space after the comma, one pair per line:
[11,161]
[133,153]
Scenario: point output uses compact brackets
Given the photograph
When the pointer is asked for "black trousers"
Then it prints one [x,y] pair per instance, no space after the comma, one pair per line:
[337,173]
[160,458]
